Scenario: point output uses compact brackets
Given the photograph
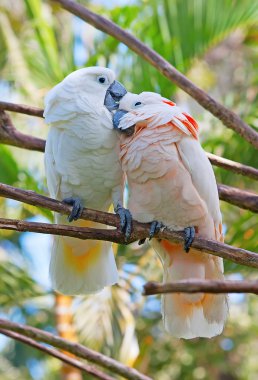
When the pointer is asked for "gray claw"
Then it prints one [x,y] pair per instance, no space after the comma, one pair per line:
[155,228]
[189,238]
[125,221]
[77,208]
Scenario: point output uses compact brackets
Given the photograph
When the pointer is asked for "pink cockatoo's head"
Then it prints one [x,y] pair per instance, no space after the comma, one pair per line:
[151,110]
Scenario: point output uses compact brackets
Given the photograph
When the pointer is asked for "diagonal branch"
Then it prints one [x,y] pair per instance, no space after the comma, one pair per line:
[139,231]
[233,166]
[75,349]
[8,134]
[229,118]
[59,355]
[33,143]
[240,198]
[196,286]
[11,136]
[21,108]
[243,199]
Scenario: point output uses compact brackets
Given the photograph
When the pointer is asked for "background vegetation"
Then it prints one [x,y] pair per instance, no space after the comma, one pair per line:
[215,43]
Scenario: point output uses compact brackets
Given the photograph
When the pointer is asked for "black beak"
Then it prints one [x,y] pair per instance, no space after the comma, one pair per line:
[118,115]
[114,94]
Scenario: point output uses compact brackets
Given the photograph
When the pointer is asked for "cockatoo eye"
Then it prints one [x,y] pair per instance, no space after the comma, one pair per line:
[137,104]
[103,79]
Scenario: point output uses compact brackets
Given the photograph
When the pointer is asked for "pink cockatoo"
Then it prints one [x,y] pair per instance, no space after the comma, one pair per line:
[171,181]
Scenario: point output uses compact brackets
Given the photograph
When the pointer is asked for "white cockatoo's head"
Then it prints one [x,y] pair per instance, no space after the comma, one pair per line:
[82,91]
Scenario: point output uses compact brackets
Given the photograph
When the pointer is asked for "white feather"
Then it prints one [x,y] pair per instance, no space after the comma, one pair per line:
[171,180]
[81,160]
[200,169]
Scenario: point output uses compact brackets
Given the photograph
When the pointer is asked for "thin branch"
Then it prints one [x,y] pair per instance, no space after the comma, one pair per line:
[139,232]
[196,286]
[33,143]
[35,199]
[11,136]
[229,118]
[241,198]
[75,349]
[58,355]
[233,166]
[21,108]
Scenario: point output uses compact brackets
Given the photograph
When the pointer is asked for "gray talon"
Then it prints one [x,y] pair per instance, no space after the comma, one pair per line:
[189,238]
[125,221]
[77,208]
[155,228]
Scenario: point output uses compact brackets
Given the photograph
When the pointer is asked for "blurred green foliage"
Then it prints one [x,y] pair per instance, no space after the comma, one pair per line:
[213,42]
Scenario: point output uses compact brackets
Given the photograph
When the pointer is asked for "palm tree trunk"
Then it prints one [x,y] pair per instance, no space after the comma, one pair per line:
[65,329]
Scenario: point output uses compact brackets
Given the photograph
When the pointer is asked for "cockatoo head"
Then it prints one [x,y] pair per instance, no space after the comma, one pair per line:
[82,91]
[151,110]
[136,107]
[131,101]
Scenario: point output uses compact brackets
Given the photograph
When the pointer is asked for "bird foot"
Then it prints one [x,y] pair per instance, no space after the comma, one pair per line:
[154,228]
[77,208]
[189,238]
[125,220]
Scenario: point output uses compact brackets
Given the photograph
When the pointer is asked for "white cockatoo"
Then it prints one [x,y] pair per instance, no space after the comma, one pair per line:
[83,169]
[171,181]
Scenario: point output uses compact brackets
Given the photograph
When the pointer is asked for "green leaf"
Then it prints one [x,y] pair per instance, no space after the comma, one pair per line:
[45,36]
[8,166]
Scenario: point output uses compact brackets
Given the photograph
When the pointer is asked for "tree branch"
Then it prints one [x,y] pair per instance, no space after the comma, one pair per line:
[228,118]
[233,166]
[34,199]
[11,136]
[75,349]
[34,143]
[21,108]
[59,355]
[139,231]
[241,198]
[196,286]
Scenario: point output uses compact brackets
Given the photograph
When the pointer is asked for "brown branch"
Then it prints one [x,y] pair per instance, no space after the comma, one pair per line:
[139,231]
[34,199]
[58,355]
[21,108]
[241,198]
[196,286]
[233,166]
[229,118]
[75,349]
[11,136]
